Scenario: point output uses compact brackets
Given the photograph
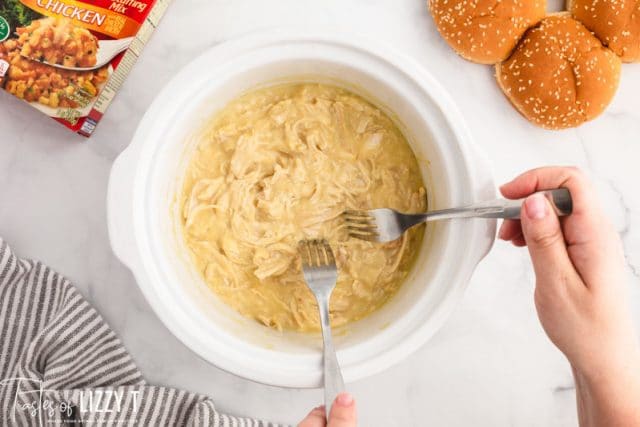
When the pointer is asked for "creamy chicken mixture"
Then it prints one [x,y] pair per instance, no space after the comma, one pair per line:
[279,165]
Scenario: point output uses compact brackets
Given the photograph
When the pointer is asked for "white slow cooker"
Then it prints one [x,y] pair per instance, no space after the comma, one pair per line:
[144,234]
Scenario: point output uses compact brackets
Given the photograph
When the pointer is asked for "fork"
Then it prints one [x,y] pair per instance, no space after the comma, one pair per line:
[385,225]
[107,50]
[320,273]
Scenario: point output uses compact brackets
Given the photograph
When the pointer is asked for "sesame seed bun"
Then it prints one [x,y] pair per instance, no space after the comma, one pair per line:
[485,31]
[560,75]
[615,22]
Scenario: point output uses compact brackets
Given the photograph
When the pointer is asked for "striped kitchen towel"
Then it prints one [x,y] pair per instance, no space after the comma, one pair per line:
[61,364]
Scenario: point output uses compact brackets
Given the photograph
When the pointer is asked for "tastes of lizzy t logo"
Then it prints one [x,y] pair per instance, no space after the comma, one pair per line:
[32,401]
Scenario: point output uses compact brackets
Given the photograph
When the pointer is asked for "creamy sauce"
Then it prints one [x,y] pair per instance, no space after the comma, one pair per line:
[279,165]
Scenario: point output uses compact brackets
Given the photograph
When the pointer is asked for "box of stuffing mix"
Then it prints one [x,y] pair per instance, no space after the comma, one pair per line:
[68,58]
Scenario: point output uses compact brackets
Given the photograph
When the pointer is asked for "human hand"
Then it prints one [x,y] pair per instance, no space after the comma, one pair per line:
[343,414]
[581,293]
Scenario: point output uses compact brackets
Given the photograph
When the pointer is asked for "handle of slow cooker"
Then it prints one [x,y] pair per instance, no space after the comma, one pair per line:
[120,207]
[485,187]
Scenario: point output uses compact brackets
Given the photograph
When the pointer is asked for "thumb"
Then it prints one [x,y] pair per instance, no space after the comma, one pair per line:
[542,232]
[343,412]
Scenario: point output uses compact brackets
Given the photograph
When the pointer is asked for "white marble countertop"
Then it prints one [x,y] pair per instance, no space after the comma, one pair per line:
[490,365]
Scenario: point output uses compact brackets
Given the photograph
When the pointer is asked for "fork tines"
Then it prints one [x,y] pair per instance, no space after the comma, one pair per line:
[316,252]
[360,224]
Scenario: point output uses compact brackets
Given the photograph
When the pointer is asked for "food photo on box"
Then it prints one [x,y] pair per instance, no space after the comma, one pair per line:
[320,214]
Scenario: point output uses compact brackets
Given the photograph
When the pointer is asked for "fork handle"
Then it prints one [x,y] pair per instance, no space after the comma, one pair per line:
[560,200]
[333,382]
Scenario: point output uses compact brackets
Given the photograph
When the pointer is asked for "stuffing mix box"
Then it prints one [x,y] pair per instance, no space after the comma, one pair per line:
[68,58]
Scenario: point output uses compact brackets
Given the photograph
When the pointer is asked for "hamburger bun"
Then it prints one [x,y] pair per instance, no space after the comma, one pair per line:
[615,22]
[485,31]
[560,75]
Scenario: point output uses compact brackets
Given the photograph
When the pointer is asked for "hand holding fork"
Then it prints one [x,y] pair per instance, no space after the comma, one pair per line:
[386,225]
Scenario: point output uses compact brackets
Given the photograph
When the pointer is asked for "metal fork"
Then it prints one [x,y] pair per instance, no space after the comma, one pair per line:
[385,225]
[321,274]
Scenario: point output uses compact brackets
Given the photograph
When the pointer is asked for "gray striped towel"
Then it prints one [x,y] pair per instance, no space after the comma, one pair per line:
[61,364]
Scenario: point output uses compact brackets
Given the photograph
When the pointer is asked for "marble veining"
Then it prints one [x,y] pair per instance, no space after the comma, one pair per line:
[490,365]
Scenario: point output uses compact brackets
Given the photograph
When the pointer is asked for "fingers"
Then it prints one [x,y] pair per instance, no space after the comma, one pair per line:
[590,239]
[343,412]
[510,229]
[544,238]
[519,241]
[315,418]
[586,217]
[548,178]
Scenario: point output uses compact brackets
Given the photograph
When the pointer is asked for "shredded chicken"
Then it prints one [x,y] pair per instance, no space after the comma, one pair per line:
[279,165]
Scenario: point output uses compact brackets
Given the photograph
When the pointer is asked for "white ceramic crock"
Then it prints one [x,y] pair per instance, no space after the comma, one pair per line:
[143,180]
